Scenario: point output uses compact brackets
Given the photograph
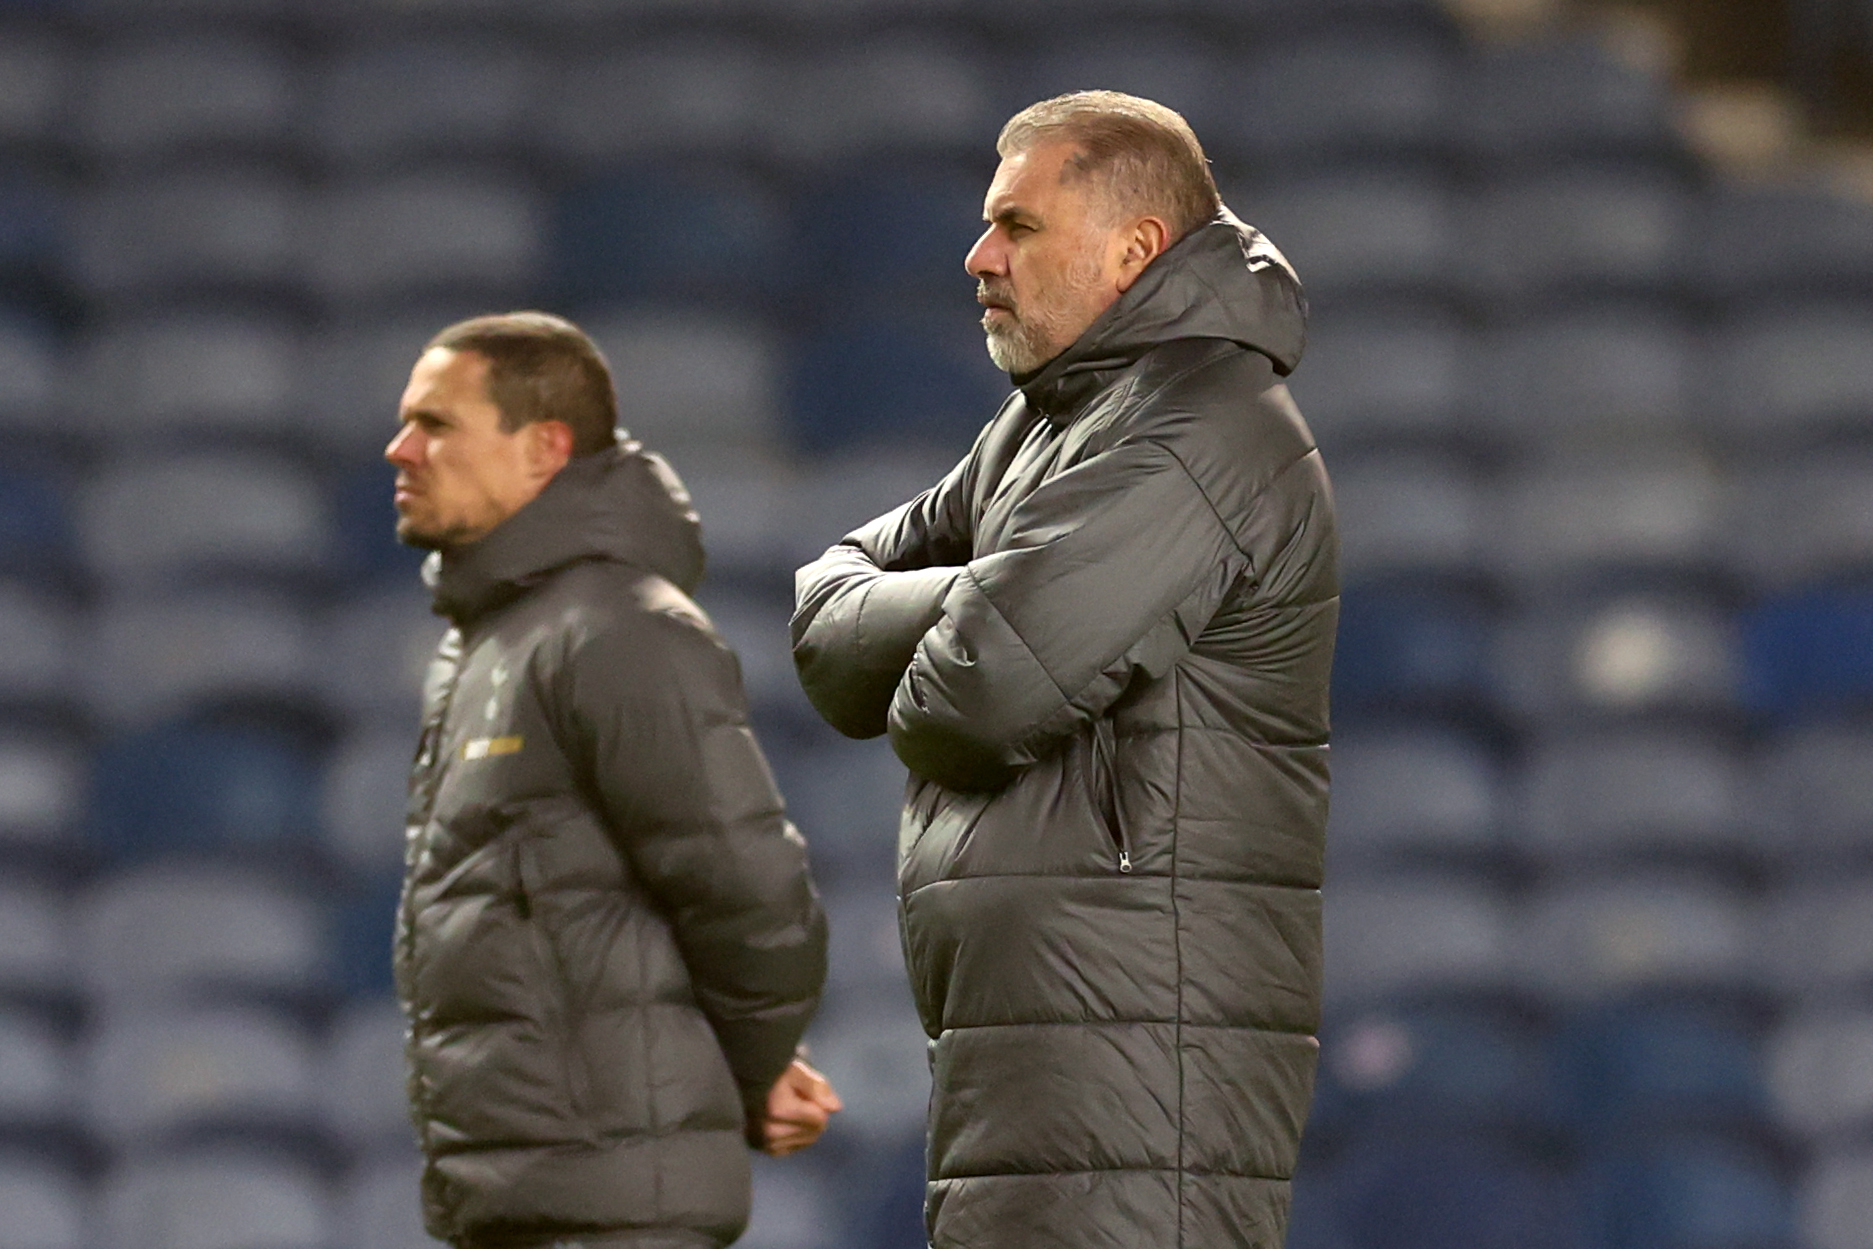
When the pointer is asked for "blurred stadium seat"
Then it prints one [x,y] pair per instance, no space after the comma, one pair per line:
[1694,1191]
[1539,99]
[204,788]
[1598,937]
[1346,94]
[216,229]
[155,1079]
[227,373]
[475,231]
[661,232]
[362,1090]
[385,101]
[1379,373]
[1400,792]
[164,657]
[1421,932]
[140,519]
[1836,1201]
[36,955]
[182,930]
[1630,1069]
[152,98]
[1615,371]
[1626,794]
[43,787]
[215,1199]
[1820,1072]
[1786,374]
[1409,1189]
[1439,1064]
[1404,513]
[1412,648]
[1362,230]
[1814,792]
[1809,651]
[46,1205]
[36,1085]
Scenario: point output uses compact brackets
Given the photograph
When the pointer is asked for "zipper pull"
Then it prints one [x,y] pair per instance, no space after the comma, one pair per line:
[1125,861]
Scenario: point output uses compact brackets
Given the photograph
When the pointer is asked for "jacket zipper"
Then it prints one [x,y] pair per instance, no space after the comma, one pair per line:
[1105,753]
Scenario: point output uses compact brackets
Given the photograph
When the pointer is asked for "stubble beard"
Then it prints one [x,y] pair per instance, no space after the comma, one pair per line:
[1047,325]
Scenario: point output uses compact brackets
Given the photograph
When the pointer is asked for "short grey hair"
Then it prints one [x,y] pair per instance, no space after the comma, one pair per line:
[1144,157]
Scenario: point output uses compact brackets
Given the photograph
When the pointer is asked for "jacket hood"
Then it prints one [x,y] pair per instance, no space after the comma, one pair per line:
[1222,280]
[623,504]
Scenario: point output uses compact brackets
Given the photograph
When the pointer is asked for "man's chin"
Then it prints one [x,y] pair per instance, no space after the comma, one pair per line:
[411,534]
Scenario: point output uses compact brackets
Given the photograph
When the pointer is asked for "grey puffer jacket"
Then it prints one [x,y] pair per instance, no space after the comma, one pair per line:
[608,944]
[1102,645]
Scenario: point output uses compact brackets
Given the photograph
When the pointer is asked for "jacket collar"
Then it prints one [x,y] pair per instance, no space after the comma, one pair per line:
[622,504]
[1222,280]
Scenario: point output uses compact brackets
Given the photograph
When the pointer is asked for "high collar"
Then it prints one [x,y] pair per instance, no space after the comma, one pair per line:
[1222,280]
[621,504]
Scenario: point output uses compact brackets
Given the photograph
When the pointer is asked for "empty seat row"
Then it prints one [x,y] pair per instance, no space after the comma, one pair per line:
[215,1198]
[1443,650]
[1588,936]
[1353,89]
[653,229]
[1592,796]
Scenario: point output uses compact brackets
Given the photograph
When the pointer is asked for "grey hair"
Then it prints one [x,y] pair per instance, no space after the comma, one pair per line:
[1143,156]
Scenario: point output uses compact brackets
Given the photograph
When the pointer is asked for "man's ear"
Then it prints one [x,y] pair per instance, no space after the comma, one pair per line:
[1144,243]
[549,447]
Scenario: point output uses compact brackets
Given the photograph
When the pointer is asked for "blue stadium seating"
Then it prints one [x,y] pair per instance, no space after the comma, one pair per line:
[1690,1192]
[35,519]
[200,787]
[893,379]
[46,1204]
[1409,1189]
[664,233]
[1809,651]
[364,924]
[1630,1068]
[32,219]
[1411,648]
[1379,373]
[1338,95]
[1456,1064]
[220,1197]
[1407,792]
[901,229]
[382,101]
[1532,99]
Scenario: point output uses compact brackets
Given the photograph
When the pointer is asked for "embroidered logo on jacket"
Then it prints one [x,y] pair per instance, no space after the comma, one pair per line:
[487,747]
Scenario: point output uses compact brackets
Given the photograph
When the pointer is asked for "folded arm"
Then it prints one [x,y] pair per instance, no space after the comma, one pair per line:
[1108,570]
[862,606]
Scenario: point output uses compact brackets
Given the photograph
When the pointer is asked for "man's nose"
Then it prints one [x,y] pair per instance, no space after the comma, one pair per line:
[403,449]
[985,259]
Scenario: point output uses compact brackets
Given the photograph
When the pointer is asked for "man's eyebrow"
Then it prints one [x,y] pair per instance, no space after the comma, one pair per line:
[1011,214]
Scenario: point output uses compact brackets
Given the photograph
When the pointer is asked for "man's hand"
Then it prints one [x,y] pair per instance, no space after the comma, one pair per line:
[798,1108]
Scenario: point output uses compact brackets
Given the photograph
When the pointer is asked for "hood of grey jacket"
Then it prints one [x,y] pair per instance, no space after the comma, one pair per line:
[623,504]
[1223,280]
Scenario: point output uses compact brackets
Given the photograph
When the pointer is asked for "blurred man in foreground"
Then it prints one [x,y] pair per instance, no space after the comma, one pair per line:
[1102,645]
[608,944]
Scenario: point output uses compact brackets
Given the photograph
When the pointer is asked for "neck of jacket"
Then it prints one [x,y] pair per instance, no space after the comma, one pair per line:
[1224,280]
[622,504]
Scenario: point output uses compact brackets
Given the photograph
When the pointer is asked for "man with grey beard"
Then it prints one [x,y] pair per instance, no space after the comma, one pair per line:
[1102,644]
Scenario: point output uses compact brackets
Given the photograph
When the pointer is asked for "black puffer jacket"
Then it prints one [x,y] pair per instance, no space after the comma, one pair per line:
[608,944]
[1102,646]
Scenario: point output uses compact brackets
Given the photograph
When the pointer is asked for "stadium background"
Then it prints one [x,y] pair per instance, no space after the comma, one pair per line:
[1601,901]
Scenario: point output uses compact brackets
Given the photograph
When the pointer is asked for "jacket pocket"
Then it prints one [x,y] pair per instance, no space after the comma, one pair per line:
[1105,794]
[558,1006]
